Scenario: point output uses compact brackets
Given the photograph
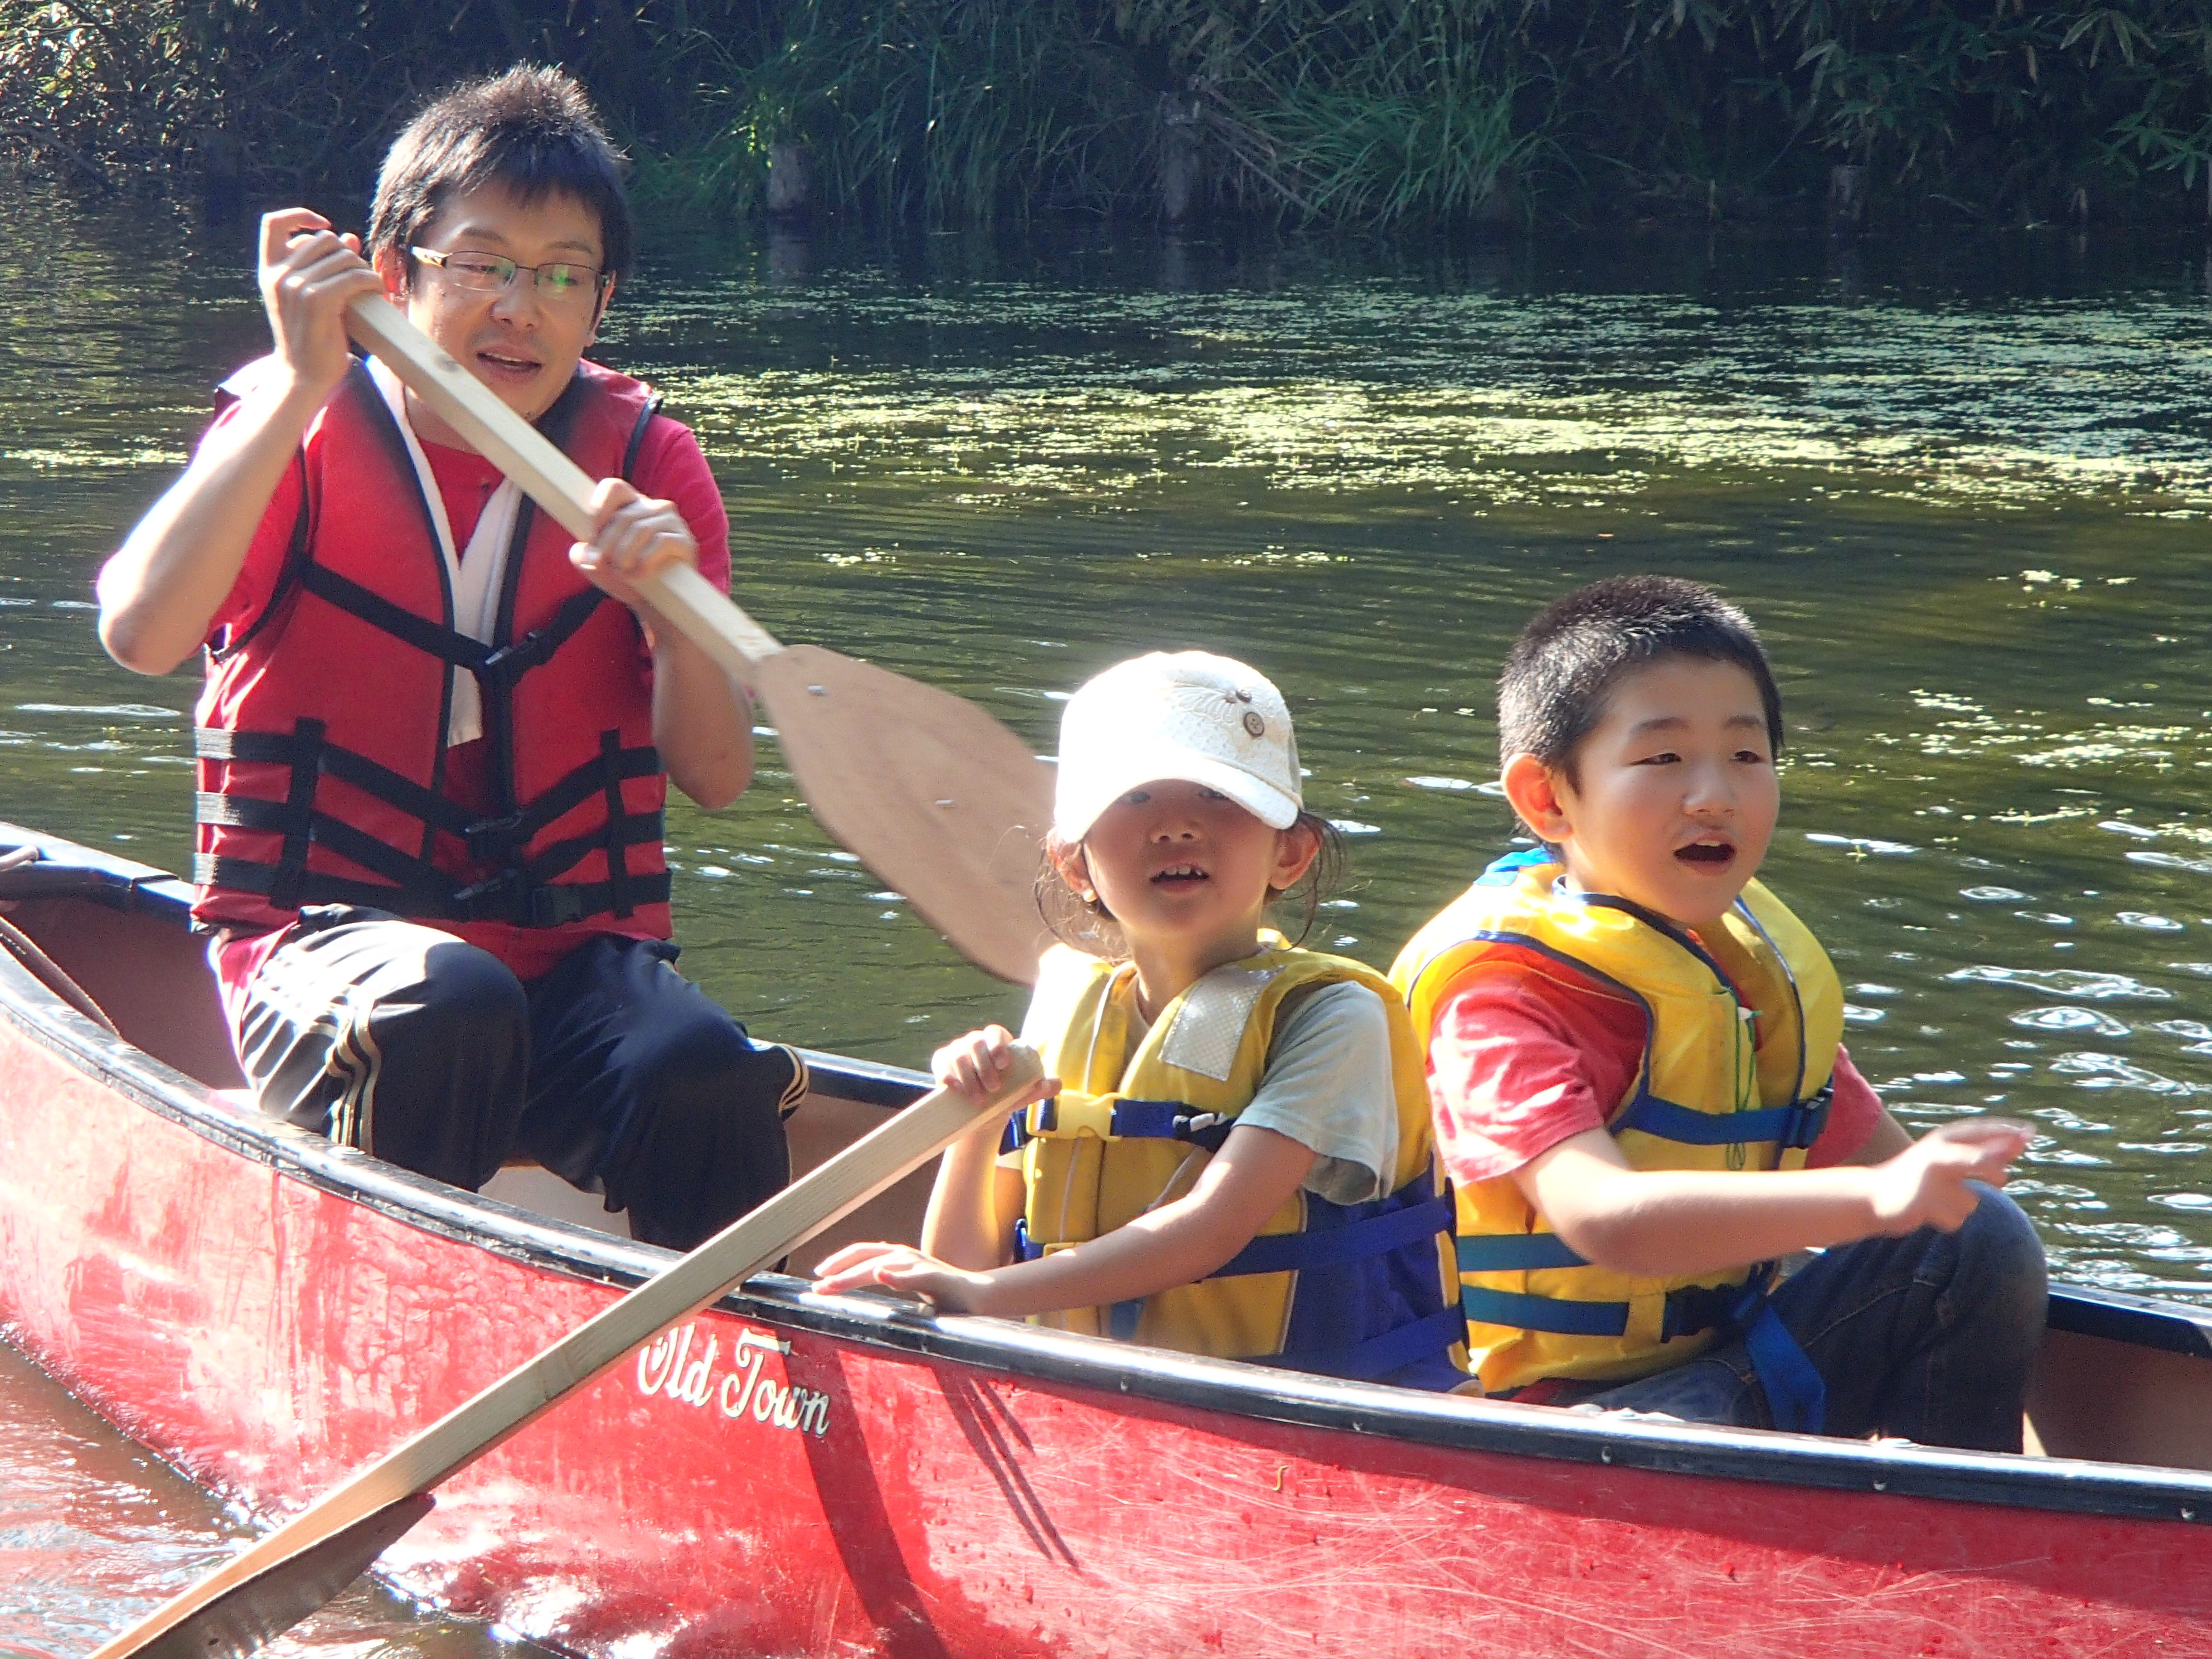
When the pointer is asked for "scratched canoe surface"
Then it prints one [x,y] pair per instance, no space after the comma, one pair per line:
[789,1475]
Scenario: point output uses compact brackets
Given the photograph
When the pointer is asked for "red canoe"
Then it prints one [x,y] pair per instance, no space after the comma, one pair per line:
[789,1473]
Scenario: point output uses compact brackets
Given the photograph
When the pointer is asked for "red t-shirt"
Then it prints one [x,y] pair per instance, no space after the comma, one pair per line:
[670,467]
[1522,1058]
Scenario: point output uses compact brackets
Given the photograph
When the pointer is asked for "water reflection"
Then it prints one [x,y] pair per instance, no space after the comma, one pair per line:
[95,1534]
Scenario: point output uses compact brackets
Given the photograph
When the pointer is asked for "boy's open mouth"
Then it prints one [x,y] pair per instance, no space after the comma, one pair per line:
[1180,876]
[1707,854]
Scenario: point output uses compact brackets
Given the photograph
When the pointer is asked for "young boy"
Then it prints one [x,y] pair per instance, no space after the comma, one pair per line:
[1640,1095]
[432,737]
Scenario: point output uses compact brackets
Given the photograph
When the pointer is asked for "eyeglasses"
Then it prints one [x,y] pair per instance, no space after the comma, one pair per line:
[558,282]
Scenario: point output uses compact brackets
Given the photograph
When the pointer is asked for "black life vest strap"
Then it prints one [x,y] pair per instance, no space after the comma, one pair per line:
[509,897]
[617,819]
[631,829]
[524,892]
[508,664]
[397,620]
[498,840]
[247,876]
[302,749]
[284,749]
[503,665]
[505,898]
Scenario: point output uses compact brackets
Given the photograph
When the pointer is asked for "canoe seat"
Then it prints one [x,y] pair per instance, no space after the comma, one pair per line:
[522,1181]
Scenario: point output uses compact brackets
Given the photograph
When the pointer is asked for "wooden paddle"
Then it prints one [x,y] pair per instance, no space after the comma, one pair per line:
[311,1557]
[940,801]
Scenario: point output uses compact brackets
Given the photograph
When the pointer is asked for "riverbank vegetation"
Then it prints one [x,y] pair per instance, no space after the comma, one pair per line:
[1331,110]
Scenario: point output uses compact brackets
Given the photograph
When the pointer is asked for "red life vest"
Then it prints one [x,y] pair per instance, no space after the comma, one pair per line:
[321,732]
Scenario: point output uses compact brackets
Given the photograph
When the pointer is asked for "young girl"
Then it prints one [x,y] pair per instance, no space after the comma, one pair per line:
[1230,1154]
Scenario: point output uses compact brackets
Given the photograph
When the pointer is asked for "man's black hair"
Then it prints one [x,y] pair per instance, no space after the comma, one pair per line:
[1557,677]
[531,131]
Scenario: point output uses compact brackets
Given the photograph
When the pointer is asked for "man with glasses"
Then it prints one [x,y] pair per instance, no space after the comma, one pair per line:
[435,738]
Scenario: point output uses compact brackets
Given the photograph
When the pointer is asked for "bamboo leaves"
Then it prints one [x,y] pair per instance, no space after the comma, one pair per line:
[1354,110]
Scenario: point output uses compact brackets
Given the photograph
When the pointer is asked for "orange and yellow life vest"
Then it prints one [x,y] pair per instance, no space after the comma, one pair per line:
[1742,1024]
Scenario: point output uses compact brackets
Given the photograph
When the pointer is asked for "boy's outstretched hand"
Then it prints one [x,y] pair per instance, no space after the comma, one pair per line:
[1925,1185]
[902,1267]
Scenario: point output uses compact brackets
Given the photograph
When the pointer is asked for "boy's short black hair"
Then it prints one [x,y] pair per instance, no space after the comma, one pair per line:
[529,130]
[1553,691]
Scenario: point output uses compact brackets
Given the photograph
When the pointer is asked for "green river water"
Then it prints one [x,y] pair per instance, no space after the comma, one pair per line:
[1962,487]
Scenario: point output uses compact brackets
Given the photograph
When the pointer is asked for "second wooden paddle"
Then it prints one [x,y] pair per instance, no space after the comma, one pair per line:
[937,798]
[285,1575]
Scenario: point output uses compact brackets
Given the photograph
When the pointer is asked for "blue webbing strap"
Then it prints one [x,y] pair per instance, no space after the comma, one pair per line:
[1514,1253]
[1147,1119]
[1332,1247]
[1378,1356]
[1688,1311]
[1543,1313]
[1132,1120]
[1794,1126]
[1797,1396]
[1690,1128]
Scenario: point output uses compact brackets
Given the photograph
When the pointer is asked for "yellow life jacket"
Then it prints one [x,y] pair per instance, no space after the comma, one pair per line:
[1358,1290]
[1741,1028]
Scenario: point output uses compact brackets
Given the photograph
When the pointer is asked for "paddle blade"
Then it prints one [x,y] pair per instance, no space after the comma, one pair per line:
[937,798]
[250,1615]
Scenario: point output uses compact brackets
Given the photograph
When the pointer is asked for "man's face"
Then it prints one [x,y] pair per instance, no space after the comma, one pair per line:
[521,339]
[1676,796]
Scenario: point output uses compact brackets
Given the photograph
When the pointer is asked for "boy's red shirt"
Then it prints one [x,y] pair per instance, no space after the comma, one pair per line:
[670,467]
[1521,1058]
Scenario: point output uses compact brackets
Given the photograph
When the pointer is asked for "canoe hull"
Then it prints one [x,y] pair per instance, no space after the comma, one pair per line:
[784,1474]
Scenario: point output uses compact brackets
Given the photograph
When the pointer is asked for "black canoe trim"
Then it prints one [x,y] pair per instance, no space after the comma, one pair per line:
[64,870]
[1224,1388]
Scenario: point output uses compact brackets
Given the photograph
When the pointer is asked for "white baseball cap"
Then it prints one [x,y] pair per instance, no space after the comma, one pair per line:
[1186,715]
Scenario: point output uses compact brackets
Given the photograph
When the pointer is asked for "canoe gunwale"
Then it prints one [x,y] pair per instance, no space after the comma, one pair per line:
[1230,1391]
[1236,1389]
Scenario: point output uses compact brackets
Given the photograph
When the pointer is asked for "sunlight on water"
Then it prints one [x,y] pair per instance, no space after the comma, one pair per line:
[1958,487]
[95,1534]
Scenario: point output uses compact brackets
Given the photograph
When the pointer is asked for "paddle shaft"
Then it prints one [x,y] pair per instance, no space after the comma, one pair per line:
[706,617]
[457,1439]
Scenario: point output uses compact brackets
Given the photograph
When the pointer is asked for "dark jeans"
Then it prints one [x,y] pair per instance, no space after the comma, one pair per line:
[613,1071]
[1928,1337]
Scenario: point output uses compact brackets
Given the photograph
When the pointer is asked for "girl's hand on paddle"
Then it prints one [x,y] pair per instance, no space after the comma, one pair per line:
[975,1067]
[309,275]
[902,1267]
[633,537]
[1925,1185]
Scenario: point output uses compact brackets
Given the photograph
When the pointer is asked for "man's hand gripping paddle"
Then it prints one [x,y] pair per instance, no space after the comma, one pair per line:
[941,801]
[311,1557]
